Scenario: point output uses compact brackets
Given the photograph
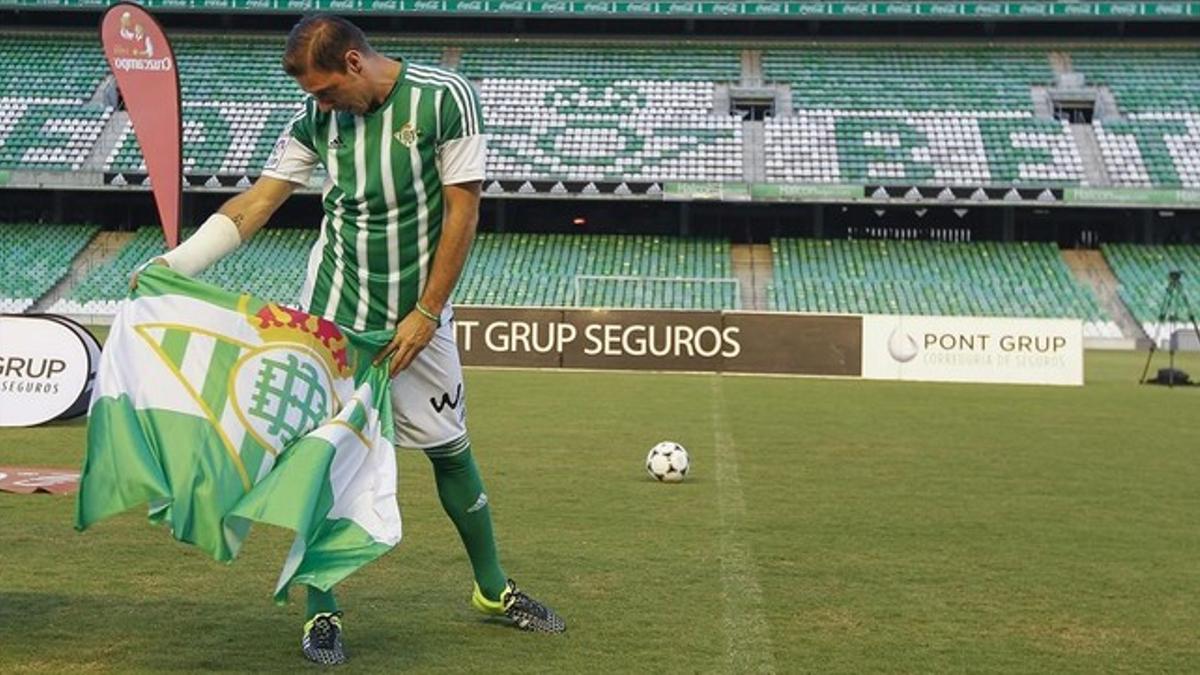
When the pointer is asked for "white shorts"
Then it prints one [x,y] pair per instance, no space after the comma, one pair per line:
[429,402]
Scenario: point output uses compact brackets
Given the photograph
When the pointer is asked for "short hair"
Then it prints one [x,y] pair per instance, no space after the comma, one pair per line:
[320,42]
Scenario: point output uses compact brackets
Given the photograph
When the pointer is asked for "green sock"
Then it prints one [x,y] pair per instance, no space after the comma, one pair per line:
[461,491]
[320,601]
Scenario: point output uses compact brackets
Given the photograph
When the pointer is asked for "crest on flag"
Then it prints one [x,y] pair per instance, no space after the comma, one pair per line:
[234,410]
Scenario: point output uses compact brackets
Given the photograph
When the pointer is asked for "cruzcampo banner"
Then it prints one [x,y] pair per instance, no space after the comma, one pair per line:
[143,64]
[220,410]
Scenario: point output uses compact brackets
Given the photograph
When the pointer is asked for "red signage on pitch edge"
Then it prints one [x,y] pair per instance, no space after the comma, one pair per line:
[143,64]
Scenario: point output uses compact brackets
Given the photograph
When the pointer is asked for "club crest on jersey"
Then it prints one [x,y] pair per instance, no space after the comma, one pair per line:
[407,134]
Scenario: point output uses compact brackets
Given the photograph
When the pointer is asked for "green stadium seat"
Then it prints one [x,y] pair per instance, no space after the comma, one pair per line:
[931,278]
[623,271]
[1144,79]
[269,266]
[916,115]
[236,101]
[1143,271]
[579,112]
[1157,142]
[51,68]
[36,257]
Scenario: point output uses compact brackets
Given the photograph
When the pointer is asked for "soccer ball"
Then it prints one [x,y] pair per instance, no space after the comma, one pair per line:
[668,462]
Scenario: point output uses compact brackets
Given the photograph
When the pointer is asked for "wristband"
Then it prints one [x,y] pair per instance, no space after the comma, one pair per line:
[213,241]
[429,315]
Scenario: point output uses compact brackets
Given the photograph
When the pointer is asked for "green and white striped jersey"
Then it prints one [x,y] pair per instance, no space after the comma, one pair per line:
[383,197]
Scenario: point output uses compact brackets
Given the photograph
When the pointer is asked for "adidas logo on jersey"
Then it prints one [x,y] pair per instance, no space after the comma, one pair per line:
[336,143]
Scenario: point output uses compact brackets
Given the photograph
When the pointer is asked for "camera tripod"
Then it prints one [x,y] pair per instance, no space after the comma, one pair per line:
[1174,301]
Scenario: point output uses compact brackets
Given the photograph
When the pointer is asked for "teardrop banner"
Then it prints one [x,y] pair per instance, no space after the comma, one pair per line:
[143,63]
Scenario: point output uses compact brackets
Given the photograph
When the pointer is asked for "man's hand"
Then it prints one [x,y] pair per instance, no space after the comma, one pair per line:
[133,278]
[412,334]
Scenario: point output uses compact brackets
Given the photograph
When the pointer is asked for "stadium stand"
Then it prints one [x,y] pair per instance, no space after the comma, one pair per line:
[271,266]
[916,115]
[1143,273]
[629,271]
[503,269]
[1152,149]
[36,257]
[48,135]
[236,101]
[104,287]
[617,112]
[911,277]
[222,138]
[46,81]
[1158,90]
[600,63]
[607,113]
[861,114]
[59,68]
[1144,79]
[631,114]
[957,80]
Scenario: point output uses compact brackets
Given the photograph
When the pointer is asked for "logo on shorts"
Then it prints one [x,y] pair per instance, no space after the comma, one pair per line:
[441,405]
[408,134]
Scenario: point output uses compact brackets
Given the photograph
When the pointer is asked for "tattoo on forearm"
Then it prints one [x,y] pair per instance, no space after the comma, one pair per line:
[237,219]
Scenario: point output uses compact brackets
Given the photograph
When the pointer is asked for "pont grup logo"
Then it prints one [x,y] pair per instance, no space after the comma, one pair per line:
[901,346]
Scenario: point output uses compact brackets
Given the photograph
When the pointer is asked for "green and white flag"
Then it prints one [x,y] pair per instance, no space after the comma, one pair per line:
[220,410]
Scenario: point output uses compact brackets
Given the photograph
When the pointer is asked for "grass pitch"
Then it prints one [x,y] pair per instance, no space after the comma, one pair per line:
[826,526]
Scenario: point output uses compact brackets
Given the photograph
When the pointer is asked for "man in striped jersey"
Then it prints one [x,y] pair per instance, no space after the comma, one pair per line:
[404,149]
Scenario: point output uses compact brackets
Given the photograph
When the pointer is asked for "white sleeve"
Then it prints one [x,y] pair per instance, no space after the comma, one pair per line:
[215,239]
[290,160]
[462,160]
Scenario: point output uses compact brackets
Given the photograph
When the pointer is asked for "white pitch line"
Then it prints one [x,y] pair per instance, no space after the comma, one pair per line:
[748,647]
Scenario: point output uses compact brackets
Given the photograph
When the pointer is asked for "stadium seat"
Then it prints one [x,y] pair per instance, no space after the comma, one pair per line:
[1157,142]
[931,278]
[1143,273]
[1152,149]
[882,146]
[607,113]
[549,270]
[270,266]
[236,101]
[59,69]
[957,80]
[36,257]
[625,271]
[48,135]
[915,115]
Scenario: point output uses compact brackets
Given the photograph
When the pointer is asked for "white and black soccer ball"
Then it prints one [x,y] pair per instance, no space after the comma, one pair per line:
[668,462]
